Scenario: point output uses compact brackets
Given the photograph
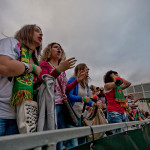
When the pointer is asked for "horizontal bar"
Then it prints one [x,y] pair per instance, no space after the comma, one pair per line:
[31,140]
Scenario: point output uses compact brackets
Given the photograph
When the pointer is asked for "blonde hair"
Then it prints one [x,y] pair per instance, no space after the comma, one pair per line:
[25,36]
[46,55]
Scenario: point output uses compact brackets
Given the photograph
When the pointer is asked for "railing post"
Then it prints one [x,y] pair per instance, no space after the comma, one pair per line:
[51,146]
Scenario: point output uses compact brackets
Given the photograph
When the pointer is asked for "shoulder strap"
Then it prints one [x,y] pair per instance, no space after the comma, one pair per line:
[64,95]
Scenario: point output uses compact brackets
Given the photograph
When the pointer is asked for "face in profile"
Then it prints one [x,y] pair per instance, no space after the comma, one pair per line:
[113,76]
[86,69]
[37,36]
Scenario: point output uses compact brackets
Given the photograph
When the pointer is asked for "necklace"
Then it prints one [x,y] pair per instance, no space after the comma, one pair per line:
[51,65]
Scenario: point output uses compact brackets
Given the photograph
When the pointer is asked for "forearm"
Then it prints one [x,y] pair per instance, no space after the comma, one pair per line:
[71,86]
[74,98]
[109,86]
[12,68]
[126,84]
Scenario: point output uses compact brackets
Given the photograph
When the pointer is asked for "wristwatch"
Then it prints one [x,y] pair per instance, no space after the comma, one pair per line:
[27,67]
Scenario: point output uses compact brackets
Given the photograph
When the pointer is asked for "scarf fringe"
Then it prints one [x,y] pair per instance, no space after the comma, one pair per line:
[123,105]
[21,96]
[120,100]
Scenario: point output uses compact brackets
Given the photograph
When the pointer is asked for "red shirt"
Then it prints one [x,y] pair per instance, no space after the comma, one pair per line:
[112,105]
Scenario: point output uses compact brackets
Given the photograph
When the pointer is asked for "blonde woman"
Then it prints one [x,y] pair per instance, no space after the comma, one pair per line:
[53,63]
[78,96]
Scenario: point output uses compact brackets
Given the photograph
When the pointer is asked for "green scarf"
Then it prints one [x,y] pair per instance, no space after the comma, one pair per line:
[23,84]
[120,97]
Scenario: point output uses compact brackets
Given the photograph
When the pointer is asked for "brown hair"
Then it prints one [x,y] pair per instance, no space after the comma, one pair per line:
[25,36]
[107,77]
[46,55]
[78,68]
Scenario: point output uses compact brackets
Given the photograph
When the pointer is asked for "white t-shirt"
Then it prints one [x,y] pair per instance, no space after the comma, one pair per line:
[8,47]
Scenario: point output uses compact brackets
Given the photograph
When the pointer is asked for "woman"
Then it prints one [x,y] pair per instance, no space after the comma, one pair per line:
[78,96]
[116,102]
[18,58]
[25,86]
[53,63]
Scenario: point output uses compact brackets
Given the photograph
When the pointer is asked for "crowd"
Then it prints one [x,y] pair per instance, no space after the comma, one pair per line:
[33,89]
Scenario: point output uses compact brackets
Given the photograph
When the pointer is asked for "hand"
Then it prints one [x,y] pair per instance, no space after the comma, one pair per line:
[87,99]
[81,75]
[66,64]
[38,71]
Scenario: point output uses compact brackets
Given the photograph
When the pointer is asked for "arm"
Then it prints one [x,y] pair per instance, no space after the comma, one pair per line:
[10,67]
[125,85]
[72,95]
[109,86]
[136,100]
[47,69]
[71,86]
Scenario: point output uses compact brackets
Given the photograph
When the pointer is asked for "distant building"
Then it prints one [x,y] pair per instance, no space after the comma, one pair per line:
[140,91]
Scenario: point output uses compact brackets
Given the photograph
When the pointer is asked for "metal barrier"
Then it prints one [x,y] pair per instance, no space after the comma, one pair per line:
[50,138]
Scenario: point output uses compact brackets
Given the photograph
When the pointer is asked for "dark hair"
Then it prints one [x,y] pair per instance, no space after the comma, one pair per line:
[97,88]
[107,77]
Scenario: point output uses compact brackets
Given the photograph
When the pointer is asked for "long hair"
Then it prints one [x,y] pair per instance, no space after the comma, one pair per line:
[78,68]
[25,36]
[46,55]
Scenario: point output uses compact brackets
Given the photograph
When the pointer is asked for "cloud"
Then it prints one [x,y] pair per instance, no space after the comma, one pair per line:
[104,34]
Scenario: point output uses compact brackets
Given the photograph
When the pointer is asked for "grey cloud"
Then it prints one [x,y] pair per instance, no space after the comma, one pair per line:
[104,34]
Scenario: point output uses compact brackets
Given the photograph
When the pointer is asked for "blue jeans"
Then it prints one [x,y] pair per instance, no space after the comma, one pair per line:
[71,143]
[61,124]
[115,117]
[8,127]
[76,141]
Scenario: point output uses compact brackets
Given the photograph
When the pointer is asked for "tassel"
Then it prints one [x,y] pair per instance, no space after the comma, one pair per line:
[21,96]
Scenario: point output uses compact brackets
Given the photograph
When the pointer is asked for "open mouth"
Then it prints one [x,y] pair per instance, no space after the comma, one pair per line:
[58,52]
[40,39]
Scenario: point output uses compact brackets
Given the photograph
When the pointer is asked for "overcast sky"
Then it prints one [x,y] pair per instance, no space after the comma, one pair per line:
[104,34]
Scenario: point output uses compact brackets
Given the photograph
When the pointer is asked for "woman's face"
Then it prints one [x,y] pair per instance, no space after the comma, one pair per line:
[56,51]
[113,76]
[86,69]
[99,104]
[37,36]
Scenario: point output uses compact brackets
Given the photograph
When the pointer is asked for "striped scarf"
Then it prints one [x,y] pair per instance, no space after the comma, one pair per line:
[120,97]
[23,84]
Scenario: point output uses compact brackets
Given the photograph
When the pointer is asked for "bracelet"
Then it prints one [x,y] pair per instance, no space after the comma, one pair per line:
[58,71]
[33,67]
[84,99]
[27,67]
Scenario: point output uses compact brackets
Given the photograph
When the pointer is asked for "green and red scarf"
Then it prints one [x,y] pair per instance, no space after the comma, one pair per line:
[120,97]
[23,84]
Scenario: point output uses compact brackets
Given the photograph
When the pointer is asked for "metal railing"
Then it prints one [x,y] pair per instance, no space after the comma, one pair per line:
[50,138]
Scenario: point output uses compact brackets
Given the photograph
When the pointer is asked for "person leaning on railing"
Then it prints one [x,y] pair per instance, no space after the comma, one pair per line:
[116,102]
[10,66]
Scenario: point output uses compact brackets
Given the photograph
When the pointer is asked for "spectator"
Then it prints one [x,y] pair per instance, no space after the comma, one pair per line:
[133,106]
[78,96]
[115,99]
[54,64]
[10,66]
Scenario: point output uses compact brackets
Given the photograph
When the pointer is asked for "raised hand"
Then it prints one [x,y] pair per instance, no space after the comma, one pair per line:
[66,64]
[81,75]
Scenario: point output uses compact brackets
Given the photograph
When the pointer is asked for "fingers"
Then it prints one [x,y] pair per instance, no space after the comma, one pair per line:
[71,62]
[71,59]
